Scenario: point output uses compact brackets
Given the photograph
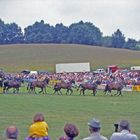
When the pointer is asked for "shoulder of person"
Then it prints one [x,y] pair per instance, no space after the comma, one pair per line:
[44,122]
[87,138]
[115,135]
[104,138]
[63,138]
[134,136]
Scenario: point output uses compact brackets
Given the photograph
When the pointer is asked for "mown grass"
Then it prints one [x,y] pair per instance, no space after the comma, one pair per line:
[14,58]
[19,108]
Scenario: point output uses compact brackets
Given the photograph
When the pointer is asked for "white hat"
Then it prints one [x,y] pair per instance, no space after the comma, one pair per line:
[95,123]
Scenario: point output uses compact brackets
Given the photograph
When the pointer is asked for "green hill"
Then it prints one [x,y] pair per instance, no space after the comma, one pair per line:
[14,58]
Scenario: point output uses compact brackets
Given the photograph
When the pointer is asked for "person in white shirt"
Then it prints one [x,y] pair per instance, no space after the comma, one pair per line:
[124,132]
[94,128]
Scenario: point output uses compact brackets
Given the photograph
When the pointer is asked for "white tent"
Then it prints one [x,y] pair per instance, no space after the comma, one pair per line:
[73,67]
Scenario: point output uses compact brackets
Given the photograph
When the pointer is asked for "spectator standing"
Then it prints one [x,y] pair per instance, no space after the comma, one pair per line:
[124,132]
[94,128]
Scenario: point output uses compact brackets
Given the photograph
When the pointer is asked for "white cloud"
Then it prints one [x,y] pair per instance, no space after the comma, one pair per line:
[108,15]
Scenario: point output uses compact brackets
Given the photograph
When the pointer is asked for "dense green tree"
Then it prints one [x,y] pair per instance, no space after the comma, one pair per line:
[13,34]
[118,39]
[107,41]
[39,32]
[61,33]
[76,33]
[10,33]
[130,44]
[2,29]
[84,33]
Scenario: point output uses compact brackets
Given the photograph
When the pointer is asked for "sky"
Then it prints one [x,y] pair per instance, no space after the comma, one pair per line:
[107,15]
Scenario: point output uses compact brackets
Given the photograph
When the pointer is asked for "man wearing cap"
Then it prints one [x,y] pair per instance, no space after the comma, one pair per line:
[124,132]
[94,128]
[12,133]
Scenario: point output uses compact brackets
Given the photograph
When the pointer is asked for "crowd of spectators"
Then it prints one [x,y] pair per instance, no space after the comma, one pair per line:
[38,130]
[129,77]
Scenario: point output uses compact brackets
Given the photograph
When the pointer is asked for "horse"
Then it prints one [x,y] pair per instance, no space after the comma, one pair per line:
[63,85]
[89,86]
[40,84]
[15,84]
[2,77]
[1,82]
[118,86]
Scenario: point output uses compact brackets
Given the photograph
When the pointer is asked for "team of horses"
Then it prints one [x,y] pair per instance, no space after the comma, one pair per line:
[68,86]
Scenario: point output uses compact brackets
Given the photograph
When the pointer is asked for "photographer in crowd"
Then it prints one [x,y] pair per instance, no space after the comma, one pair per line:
[124,132]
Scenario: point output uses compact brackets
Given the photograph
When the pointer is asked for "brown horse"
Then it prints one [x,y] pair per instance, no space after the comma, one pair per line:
[15,84]
[2,78]
[39,84]
[89,86]
[118,86]
[63,85]
[1,82]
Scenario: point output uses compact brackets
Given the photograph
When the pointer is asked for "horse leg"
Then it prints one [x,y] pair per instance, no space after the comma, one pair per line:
[120,93]
[28,88]
[110,93]
[54,91]
[104,92]
[117,93]
[94,92]
[18,90]
[60,91]
[45,90]
[7,89]
[4,89]
[41,90]
[67,91]
[71,91]
[31,89]
[84,92]
[14,90]
[34,90]
[81,91]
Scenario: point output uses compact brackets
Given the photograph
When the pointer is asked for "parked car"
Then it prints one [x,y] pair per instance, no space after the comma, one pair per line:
[99,71]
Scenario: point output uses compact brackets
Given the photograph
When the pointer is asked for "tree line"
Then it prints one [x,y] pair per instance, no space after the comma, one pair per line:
[77,33]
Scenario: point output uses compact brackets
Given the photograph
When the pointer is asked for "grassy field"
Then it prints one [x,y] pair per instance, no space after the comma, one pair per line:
[19,108]
[15,58]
